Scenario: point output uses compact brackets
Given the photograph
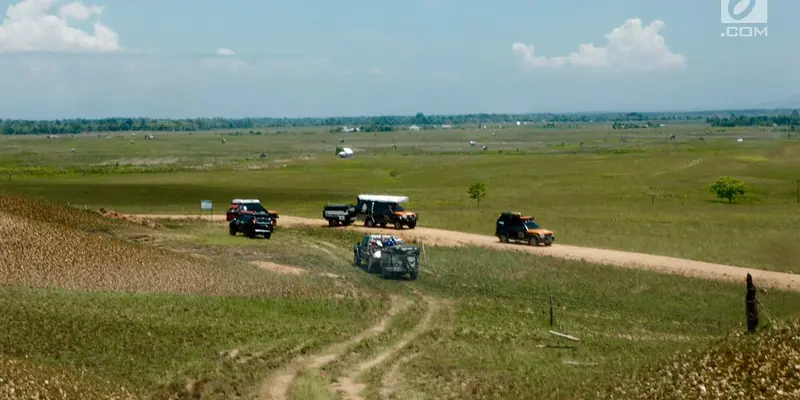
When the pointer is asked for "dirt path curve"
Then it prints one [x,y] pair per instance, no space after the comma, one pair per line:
[664,264]
[348,385]
[276,386]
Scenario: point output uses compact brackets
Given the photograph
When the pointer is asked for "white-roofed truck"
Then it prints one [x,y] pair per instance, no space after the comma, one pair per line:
[382,210]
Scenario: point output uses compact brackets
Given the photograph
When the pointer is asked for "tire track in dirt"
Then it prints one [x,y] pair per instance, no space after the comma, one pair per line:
[391,381]
[276,386]
[348,385]
[626,259]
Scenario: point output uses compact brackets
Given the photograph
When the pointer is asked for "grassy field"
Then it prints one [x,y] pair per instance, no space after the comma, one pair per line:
[182,309]
[151,320]
[486,343]
[590,185]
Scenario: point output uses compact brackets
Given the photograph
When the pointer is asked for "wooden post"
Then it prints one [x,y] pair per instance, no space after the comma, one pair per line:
[552,317]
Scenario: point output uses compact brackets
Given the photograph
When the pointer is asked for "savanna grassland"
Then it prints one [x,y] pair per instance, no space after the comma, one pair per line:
[79,291]
[591,185]
[103,307]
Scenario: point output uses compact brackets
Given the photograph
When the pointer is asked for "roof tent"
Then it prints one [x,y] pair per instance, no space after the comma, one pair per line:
[382,198]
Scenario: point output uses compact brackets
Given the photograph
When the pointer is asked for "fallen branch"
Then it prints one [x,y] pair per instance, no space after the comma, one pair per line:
[578,363]
[565,336]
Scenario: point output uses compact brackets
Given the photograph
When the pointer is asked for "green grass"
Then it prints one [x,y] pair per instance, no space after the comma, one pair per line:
[158,343]
[178,325]
[625,320]
[163,344]
[594,194]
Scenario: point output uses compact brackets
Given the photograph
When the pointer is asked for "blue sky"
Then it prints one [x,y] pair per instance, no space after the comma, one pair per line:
[325,58]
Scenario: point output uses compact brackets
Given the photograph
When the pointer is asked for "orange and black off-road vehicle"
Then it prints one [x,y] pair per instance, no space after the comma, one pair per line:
[513,226]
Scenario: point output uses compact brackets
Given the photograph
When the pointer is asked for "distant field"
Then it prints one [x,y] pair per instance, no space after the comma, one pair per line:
[589,184]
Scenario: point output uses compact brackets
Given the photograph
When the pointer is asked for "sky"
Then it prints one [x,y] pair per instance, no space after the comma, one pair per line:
[269,58]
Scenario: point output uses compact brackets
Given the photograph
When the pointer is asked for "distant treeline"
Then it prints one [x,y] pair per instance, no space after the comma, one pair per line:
[377,123]
[792,119]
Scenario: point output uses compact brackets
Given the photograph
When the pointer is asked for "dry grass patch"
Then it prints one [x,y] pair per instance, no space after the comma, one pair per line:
[21,379]
[761,366]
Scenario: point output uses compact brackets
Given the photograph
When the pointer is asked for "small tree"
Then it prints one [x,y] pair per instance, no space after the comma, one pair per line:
[477,191]
[728,188]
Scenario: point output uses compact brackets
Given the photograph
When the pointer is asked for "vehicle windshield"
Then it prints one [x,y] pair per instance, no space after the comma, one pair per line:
[252,207]
[397,207]
[530,224]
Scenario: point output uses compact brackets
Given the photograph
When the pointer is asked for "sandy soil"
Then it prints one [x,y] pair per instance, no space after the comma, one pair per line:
[349,386]
[670,265]
[276,386]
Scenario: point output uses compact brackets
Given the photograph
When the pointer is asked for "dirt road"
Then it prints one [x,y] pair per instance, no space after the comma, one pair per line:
[276,386]
[670,265]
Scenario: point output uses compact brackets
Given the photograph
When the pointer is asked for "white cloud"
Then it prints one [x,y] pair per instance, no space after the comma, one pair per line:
[30,27]
[78,11]
[226,60]
[630,47]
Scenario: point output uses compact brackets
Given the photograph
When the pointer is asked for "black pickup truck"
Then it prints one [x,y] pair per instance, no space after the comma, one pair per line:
[340,214]
[252,225]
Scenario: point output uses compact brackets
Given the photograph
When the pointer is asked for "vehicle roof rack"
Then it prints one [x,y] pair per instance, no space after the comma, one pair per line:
[383,198]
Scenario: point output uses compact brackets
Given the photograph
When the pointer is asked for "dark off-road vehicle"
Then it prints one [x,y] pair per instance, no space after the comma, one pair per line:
[244,206]
[388,255]
[340,214]
[513,226]
[252,225]
[383,210]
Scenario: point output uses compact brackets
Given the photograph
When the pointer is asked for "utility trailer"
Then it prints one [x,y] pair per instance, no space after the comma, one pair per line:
[340,214]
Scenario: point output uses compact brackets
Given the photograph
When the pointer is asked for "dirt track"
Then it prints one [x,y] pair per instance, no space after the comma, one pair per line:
[626,259]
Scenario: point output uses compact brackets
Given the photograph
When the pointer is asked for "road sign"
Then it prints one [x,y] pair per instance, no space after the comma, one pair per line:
[205,205]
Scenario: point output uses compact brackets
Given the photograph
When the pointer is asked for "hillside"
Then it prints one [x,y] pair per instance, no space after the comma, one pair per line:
[51,246]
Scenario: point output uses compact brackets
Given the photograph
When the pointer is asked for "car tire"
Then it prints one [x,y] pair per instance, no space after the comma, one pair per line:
[383,224]
[331,223]
[412,225]
[369,223]
[533,241]
[503,238]
[398,225]
[267,236]
[413,275]
[232,231]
